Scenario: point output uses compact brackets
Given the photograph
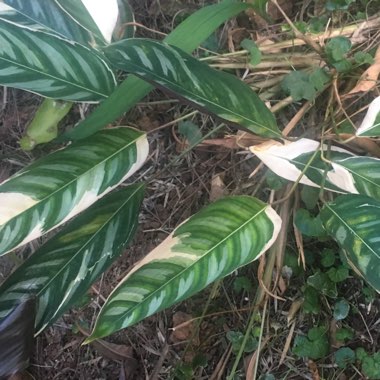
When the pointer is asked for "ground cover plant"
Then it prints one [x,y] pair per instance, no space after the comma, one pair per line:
[319,198]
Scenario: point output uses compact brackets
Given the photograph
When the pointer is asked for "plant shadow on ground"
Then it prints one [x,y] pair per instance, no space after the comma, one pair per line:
[177,190]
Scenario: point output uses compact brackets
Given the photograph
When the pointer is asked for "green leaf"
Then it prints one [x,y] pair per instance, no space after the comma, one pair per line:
[328,257]
[253,49]
[344,334]
[297,84]
[338,274]
[314,346]
[362,58]
[302,85]
[44,126]
[60,272]
[16,338]
[222,237]
[370,363]
[354,222]
[55,188]
[187,78]
[308,225]
[337,48]
[341,310]
[370,127]
[190,131]
[321,282]
[310,196]
[49,15]
[311,300]
[261,7]
[51,66]
[188,36]
[344,357]
[338,5]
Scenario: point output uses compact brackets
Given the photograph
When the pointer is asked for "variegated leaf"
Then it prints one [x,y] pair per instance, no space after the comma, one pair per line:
[210,245]
[288,160]
[354,222]
[345,173]
[48,14]
[10,14]
[357,175]
[188,35]
[52,190]
[370,126]
[187,78]
[60,272]
[51,66]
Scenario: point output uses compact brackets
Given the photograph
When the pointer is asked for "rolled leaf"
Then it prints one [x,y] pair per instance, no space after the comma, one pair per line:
[209,90]
[288,160]
[57,187]
[44,126]
[16,338]
[49,15]
[210,245]
[43,63]
[370,126]
[188,36]
[60,272]
[354,222]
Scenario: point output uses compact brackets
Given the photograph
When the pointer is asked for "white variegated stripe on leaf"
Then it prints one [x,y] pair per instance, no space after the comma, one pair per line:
[10,14]
[51,66]
[187,78]
[213,243]
[49,15]
[357,175]
[60,272]
[288,160]
[64,183]
[370,127]
[354,222]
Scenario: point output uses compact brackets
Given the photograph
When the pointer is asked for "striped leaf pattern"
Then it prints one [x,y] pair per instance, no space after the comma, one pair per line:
[55,188]
[188,35]
[210,245]
[370,126]
[10,14]
[357,175]
[354,222]
[185,77]
[49,14]
[40,62]
[344,173]
[60,272]
[289,160]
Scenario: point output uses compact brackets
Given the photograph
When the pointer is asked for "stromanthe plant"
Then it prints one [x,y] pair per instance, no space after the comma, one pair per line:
[61,51]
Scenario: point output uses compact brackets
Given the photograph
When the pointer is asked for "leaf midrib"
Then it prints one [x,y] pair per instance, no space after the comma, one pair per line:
[130,311]
[75,180]
[205,100]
